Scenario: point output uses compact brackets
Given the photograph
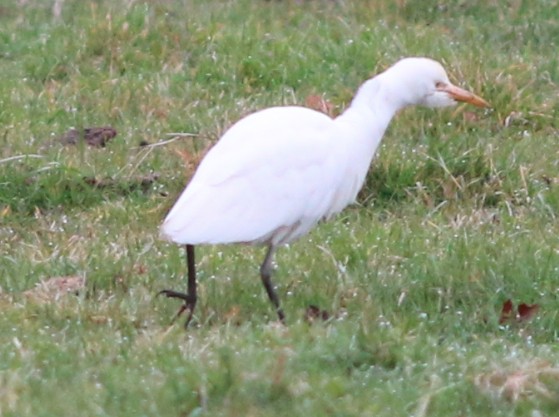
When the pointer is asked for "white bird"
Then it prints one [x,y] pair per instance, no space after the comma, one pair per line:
[277,172]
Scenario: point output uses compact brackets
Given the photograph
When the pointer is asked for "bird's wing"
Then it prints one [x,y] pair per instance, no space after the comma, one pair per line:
[275,170]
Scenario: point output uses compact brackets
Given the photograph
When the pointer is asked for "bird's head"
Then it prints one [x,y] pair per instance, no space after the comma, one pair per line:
[423,81]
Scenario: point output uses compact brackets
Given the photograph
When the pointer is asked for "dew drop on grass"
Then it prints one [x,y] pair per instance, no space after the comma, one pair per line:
[384,322]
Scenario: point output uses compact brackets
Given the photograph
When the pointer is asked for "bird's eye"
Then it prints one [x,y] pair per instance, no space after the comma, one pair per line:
[439,85]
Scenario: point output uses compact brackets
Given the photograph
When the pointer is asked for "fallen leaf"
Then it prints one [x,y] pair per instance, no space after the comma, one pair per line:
[313,313]
[527,311]
[320,104]
[54,288]
[506,312]
[97,137]
[524,312]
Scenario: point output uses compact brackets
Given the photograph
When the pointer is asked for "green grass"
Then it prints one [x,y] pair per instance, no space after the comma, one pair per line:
[459,213]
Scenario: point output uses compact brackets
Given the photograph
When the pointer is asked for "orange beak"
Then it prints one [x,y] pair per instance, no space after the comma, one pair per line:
[459,94]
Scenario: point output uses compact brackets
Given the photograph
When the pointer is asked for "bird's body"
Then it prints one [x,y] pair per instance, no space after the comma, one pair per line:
[277,172]
[271,178]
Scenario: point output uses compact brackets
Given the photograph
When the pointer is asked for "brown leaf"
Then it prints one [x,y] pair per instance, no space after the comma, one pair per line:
[320,104]
[54,288]
[506,312]
[99,136]
[525,312]
[313,313]
[96,137]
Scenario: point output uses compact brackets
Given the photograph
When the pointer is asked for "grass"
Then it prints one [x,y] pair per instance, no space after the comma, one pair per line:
[459,213]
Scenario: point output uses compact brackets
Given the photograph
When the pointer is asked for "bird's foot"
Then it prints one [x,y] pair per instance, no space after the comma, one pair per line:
[281,315]
[189,304]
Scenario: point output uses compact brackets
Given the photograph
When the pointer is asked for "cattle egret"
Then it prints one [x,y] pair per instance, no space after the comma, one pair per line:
[277,172]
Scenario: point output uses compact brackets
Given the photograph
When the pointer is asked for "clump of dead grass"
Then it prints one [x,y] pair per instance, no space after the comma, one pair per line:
[53,289]
[533,380]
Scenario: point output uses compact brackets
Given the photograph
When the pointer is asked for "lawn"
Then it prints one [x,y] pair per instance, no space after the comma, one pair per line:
[458,214]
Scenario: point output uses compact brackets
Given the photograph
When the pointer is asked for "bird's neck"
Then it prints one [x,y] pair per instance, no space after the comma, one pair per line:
[377,97]
[366,119]
[363,125]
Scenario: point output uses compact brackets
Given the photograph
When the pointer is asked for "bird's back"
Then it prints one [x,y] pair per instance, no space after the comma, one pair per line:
[270,178]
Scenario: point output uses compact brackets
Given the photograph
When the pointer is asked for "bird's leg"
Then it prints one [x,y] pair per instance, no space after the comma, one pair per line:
[266,274]
[190,297]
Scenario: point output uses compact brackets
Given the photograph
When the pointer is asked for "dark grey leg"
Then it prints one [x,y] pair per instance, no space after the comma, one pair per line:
[266,274]
[190,297]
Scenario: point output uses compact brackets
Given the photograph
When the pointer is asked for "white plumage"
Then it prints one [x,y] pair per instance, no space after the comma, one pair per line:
[244,191]
[277,172]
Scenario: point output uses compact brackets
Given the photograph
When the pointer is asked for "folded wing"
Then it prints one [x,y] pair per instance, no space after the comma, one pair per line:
[270,178]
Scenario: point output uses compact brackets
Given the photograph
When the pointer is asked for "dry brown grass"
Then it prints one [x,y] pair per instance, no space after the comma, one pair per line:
[532,380]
